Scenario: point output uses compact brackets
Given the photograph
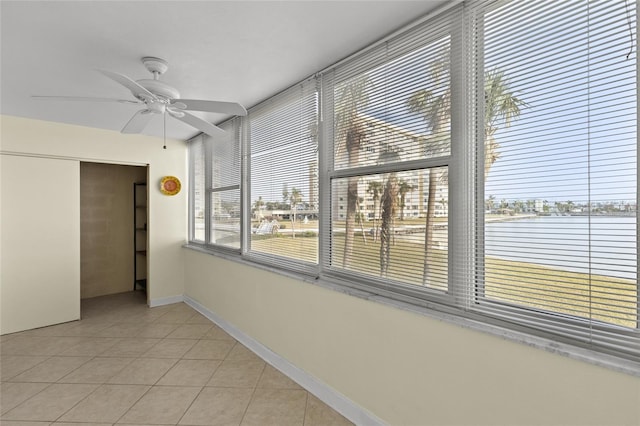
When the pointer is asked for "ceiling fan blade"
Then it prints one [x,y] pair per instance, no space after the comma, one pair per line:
[199,123]
[83,99]
[232,108]
[137,90]
[138,122]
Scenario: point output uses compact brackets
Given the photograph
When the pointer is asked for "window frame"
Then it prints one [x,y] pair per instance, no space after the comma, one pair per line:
[207,148]
[296,93]
[571,329]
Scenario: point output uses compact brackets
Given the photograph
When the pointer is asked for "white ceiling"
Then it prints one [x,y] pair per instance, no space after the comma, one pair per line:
[242,51]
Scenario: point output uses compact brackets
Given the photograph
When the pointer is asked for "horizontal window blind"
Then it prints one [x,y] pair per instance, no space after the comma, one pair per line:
[391,239]
[197,189]
[284,182]
[224,186]
[391,114]
[225,156]
[557,169]
[393,103]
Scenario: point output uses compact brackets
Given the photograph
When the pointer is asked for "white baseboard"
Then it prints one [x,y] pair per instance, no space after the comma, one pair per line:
[325,393]
[165,301]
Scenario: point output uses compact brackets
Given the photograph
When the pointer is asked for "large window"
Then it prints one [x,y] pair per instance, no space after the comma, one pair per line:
[215,205]
[560,165]
[482,163]
[391,149]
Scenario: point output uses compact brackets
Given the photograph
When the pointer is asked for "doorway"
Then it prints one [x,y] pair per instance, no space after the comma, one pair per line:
[107,228]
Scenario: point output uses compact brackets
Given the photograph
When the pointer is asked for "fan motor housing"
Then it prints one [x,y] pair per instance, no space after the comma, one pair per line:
[159,88]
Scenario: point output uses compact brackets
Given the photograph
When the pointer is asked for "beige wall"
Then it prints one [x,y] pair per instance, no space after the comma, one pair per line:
[106,227]
[167,215]
[406,368]
[40,242]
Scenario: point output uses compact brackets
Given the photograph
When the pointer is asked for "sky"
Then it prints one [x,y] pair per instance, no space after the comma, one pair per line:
[580,122]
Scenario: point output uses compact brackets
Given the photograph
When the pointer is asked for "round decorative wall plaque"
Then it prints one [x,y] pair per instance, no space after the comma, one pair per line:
[170,185]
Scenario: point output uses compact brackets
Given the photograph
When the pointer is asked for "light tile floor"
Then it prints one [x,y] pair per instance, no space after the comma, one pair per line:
[128,364]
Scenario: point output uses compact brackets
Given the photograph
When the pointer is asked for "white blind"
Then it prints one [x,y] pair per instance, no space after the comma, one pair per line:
[283,145]
[197,185]
[557,170]
[225,154]
[389,197]
[224,185]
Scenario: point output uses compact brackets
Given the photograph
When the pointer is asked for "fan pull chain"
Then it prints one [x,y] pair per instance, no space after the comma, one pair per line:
[164,132]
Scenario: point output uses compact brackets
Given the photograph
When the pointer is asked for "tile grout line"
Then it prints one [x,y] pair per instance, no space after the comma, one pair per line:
[77,403]
[306,405]
[190,405]
[2,380]
[133,405]
[40,391]
[255,388]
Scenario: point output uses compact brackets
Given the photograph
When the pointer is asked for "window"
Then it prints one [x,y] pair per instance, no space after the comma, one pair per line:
[482,162]
[283,161]
[215,205]
[558,175]
[390,116]
[392,145]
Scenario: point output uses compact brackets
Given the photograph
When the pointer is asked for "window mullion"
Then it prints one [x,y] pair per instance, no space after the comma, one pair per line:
[245,137]
[208,183]
[392,167]
[461,177]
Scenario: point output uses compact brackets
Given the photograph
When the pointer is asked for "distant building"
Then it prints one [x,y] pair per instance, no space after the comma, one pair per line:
[538,206]
[411,146]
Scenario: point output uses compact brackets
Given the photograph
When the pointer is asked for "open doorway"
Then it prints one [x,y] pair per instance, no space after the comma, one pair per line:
[108,260]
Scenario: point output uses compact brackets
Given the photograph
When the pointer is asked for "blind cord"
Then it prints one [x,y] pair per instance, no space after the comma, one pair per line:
[626,5]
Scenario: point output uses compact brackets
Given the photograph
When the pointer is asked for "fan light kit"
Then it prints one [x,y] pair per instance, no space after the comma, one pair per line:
[159,97]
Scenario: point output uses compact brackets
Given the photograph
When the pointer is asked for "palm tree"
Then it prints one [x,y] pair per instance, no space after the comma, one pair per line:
[490,202]
[359,218]
[569,206]
[350,134]
[434,104]
[388,204]
[295,197]
[375,189]
[403,188]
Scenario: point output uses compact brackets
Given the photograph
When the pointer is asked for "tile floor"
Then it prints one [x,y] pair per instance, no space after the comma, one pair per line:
[125,363]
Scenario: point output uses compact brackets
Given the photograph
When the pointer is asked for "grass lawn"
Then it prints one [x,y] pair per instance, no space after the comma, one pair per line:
[521,283]
[599,297]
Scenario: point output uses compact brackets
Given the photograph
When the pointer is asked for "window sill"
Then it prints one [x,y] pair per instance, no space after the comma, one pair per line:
[448,315]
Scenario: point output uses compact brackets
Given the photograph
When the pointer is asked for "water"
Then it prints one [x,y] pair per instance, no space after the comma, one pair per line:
[604,245]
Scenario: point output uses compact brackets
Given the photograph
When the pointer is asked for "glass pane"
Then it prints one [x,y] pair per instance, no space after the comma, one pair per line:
[392,225]
[225,218]
[225,159]
[284,178]
[196,151]
[560,160]
[399,111]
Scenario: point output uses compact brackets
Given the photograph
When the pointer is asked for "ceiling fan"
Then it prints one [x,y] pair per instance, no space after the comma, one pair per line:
[158,97]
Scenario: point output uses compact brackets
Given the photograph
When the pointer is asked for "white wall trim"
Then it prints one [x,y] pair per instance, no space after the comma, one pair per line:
[322,391]
[73,158]
[166,301]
